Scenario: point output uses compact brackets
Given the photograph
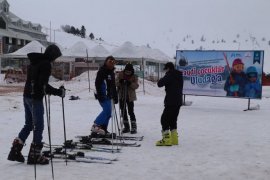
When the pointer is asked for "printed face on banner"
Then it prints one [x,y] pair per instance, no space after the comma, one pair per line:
[222,73]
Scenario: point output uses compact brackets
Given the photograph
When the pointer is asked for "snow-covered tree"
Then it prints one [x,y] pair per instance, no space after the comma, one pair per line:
[72,30]
[66,28]
[83,31]
[91,35]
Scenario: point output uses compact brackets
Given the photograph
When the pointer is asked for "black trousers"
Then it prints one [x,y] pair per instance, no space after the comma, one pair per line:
[169,117]
[127,106]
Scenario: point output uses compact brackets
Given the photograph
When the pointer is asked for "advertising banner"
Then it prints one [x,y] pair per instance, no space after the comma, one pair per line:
[222,73]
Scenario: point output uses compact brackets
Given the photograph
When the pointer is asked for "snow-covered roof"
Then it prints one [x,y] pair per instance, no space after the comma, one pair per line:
[98,51]
[33,46]
[103,49]
[128,50]
[77,50]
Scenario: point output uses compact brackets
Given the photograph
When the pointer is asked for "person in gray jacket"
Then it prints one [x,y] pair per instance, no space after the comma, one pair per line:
[127,83]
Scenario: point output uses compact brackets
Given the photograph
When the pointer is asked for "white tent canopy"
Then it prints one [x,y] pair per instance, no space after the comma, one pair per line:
[77,50]
[128,50]
[98,51]
[31,47]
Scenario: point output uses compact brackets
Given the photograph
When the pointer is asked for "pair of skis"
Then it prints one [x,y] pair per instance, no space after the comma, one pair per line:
[79,156]
[75,146]
[114,136]
[106,141]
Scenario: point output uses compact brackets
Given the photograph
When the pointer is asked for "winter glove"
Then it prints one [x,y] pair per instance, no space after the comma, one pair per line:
[61,92]
[125,82]
[128,83]
[122,81]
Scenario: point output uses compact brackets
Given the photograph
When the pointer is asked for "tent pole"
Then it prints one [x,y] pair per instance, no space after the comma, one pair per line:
[143,76]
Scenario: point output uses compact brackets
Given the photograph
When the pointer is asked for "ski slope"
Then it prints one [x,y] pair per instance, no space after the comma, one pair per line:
[218,140]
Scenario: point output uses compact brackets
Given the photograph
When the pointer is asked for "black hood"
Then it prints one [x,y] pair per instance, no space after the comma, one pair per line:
[36,58]
[52,52]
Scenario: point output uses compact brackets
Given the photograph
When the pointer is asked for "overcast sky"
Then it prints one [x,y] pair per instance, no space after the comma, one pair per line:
[157,22]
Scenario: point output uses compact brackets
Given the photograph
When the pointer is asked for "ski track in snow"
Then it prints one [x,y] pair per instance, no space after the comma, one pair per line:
[218,140]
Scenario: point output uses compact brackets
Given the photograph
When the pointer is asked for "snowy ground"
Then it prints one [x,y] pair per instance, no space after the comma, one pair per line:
[218,140]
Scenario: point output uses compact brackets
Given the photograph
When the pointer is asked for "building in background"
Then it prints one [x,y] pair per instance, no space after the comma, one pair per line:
[16,32]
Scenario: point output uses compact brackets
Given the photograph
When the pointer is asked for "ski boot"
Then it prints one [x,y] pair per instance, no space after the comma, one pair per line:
[126,130]
[133,127]
[35,156]
[126,127]
[96,129]
[166,139]
[174,135]
[15,152]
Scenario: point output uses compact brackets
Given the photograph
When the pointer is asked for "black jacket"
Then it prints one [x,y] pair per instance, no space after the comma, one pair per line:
[173,82]
[38,73]
[105,84]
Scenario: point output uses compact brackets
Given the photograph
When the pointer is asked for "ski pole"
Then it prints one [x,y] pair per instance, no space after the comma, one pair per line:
[34,128]
[64,124]
[116,124]
[112,119]
[48,115]
[88,69]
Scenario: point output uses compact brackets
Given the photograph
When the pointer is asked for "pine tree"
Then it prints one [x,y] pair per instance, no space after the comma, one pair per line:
[83,31]
[77,32]
[72,30]
[92,36]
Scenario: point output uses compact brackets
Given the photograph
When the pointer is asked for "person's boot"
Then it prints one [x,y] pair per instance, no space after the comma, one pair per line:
[174,135]
[126,127]
[133,127]
[126,130]
[97,130]
[166,139]
[35,156]
[15,152]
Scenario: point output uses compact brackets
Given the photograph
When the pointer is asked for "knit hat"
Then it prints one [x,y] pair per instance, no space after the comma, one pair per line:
[129,67]
[237,61]
[252,71]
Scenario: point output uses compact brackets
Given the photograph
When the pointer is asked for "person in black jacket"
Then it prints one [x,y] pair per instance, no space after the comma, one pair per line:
[36,86]
[173,82]
[105,92]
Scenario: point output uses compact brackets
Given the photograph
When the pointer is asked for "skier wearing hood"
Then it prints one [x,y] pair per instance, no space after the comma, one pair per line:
[253,87]
[36,86]
[173,82]
[127,83]
[105,92]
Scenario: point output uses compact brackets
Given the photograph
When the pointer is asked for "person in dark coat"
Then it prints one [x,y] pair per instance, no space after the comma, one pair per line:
[105,92]
[36,86]
[173,82]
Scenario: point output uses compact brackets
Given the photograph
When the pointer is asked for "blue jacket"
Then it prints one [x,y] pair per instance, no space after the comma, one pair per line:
[253,89]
